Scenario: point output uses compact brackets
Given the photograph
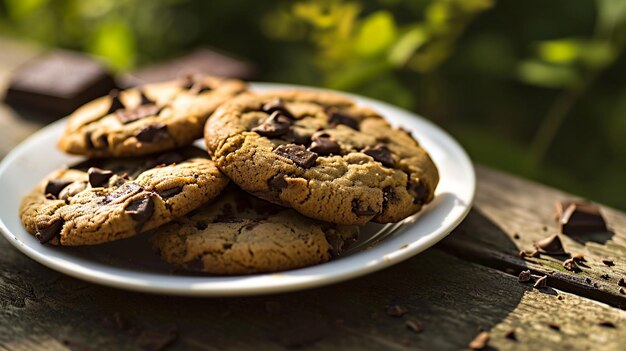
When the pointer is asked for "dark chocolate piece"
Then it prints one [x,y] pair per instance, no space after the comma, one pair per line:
[98,177]
[380,153]
[418,191]
[357,210]
[126,116]
[201,61]
[58,82]
[153,133]
[577,218]
[524,276]
[606,324]
[322,144]
[554,326]
[166,194]
[570,265]
[511,335]
[336,117]
[278,182]
[55,186]
[49,230]
[621,282]
[298,154]
[608,262]
[551,245]
[126,189]
[141,210]
[276,105]
[275,125]
[145,100]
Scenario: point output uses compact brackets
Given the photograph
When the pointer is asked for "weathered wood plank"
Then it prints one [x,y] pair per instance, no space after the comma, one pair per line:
[452,299]
[507,205]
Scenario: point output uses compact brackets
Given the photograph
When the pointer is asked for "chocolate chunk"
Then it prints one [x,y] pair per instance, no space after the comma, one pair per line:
[277,105]
[570,265]
[551,245]
[98,177]
[357,210]
[55,186]
[322,144]
[622,291]
[141,210]
[389,195]
[380,153]
[578,218]
[511,335]
[153,133]
[336,117]
[72,190]
[278,182]
[621,282]
[608,262]
[298,154]
[49,230]
[125,190]
[127,116]
[417,190]
[480,342]
[397,311]
[166,194]
[58,82]
[542,282]
[606,324]
[516,236]
[414,325]
[605,276]
[524,276]
[276,125]
[116,103]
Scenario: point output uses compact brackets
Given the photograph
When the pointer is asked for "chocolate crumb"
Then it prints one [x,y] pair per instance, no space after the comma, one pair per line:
[480,342]
[588,280]
[605,276]
[516,236]
[570,265]
[397,311]
[622,291]
[414,325]
[511,335]
[554,326]
[524,276]
[621,282]
[560,297]
[541,282]
[551,245]
[608,262]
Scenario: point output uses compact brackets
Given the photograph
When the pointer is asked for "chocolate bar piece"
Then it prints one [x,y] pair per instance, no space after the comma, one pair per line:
[58,82]
[577,217]
[200,61]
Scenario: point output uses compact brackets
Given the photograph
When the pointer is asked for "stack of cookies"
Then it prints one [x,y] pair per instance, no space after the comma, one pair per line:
[305,168]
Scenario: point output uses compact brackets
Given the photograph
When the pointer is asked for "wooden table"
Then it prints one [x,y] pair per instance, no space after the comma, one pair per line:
[464,285]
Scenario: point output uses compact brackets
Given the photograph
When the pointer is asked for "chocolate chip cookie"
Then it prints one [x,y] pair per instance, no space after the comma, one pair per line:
[241,234]
[322,155]
[149,119]
[103,200]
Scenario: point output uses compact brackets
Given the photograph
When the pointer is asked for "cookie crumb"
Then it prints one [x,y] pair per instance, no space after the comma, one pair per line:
[414,325]
[480,341]
[524,276]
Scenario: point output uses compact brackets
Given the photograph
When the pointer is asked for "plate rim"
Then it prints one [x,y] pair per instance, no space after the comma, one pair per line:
[279,285]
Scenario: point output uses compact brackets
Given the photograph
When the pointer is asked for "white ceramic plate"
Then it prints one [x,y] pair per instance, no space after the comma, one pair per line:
[131,264]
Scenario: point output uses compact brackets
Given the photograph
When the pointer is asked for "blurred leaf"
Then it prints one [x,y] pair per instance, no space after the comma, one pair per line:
[406,45]
[615,124]
[611,13]
[114,41]
[591,53]
[547,75]
[559,51]
[351,77]
[21,8]
[376,34]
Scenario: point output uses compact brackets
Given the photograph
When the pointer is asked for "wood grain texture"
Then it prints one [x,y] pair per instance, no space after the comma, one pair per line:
[452,299]
[507,205]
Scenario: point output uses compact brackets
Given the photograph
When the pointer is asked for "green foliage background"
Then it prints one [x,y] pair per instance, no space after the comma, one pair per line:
[533,87]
